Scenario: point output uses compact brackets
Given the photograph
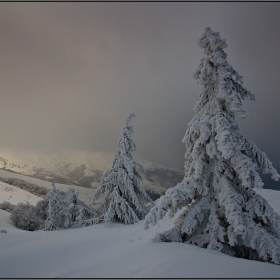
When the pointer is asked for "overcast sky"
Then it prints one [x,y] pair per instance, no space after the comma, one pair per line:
[72,72]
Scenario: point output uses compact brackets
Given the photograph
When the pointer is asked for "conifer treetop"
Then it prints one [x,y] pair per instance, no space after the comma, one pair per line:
[220,77]
[129,119]
[218,105]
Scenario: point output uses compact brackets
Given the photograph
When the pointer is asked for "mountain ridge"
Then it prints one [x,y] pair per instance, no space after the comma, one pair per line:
[157,178]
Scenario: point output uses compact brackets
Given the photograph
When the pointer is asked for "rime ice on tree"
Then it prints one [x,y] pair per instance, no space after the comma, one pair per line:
[223,211]
[65,210]
[121,195]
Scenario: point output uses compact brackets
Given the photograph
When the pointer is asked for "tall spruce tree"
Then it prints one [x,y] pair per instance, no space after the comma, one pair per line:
[223,212]
[121,196]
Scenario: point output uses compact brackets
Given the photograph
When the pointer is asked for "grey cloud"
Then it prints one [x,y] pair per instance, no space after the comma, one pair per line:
[72,72]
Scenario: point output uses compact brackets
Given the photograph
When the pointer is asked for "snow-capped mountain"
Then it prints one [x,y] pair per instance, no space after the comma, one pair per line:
[85,169]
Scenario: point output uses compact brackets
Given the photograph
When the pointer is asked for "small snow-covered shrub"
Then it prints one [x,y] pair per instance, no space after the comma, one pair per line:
[29,217]
[51,212]
[41,209]
[26,217]
[7,206]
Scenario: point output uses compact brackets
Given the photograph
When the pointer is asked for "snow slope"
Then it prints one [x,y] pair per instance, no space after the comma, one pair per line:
[85,194]
[117,251]
[124,251]
[15,195]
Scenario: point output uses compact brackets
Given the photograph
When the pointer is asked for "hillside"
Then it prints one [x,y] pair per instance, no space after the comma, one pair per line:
[85,194]
[85,169]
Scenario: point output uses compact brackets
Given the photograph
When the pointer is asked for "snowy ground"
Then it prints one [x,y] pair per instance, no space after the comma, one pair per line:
[117,251]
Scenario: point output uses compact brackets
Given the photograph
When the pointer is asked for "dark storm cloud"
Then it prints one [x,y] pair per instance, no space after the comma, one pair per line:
[72,72]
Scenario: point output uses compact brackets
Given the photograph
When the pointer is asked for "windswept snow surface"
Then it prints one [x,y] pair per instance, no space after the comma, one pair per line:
[124,251]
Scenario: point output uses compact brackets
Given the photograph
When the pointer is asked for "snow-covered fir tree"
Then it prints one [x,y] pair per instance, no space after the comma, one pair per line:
[66,210]
[223,212]
[121,196]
